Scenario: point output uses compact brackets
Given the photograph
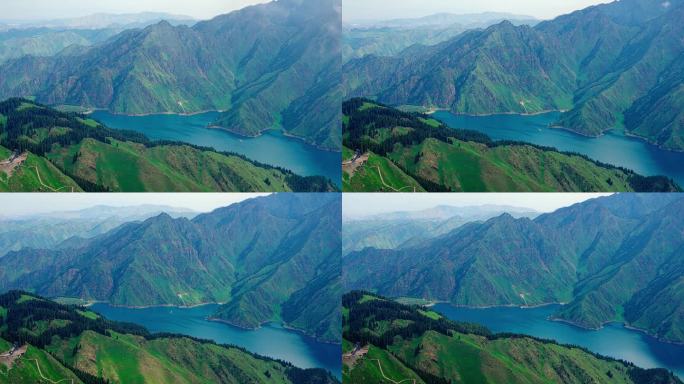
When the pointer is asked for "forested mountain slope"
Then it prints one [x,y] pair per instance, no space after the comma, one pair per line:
[269,65]
[615,258]
[47,231]
[390,37]
[267,259]
[610,66]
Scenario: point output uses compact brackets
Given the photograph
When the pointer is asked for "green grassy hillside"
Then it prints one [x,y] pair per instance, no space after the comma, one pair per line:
[35,174]
[68,151]
[131,167]
[468,166]
[35,366]
[69,343]
[379,174]
[405,152]
[406,344]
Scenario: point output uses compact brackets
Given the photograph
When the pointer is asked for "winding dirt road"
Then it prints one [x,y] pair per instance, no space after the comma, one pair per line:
[387,378]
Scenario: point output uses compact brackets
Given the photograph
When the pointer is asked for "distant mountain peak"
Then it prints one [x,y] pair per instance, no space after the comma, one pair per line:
[164,216]
[164,23]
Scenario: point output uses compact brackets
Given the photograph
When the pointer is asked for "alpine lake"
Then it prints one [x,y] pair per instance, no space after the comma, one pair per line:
[270,340]
[273,147]
[614,147]
[613,340]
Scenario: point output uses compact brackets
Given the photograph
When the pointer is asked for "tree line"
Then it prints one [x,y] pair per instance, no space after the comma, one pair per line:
[21,129]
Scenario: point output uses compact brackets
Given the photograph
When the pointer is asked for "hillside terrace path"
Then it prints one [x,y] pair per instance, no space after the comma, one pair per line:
[387,378]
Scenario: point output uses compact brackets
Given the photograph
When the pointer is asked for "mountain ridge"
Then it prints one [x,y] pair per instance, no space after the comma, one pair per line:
[164,68]
[600,257]
[601,66]
[282,247]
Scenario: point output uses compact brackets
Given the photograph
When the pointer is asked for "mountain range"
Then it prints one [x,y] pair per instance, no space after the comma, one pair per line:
[609,66]
[45,342]
[385,341]
[42,149]
[49,230]
[273,65]
[272,258]
[608,259]
[49,37]
[390,37]
[402,229]
[390,150]
[100,21]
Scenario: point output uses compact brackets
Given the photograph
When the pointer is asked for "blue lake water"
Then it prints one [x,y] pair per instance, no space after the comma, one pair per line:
[273,147]
[613,340]
[270,340]
[612,148]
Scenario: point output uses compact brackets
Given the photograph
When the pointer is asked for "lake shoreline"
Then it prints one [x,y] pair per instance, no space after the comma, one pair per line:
[502,305]
[614,339]
[500,113]
[624,324]
[563,128]
[613,147]
[218,127]
[641,138]
[433,110]
[90,304]
[93,110]
[569,322]
[281,130]
[560,127]
[283,325]
[272,147]
[288,345]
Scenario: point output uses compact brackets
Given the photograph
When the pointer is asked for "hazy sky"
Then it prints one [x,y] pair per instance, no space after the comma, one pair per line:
[367,204]
[353,10]
[51,9]
[22,204]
